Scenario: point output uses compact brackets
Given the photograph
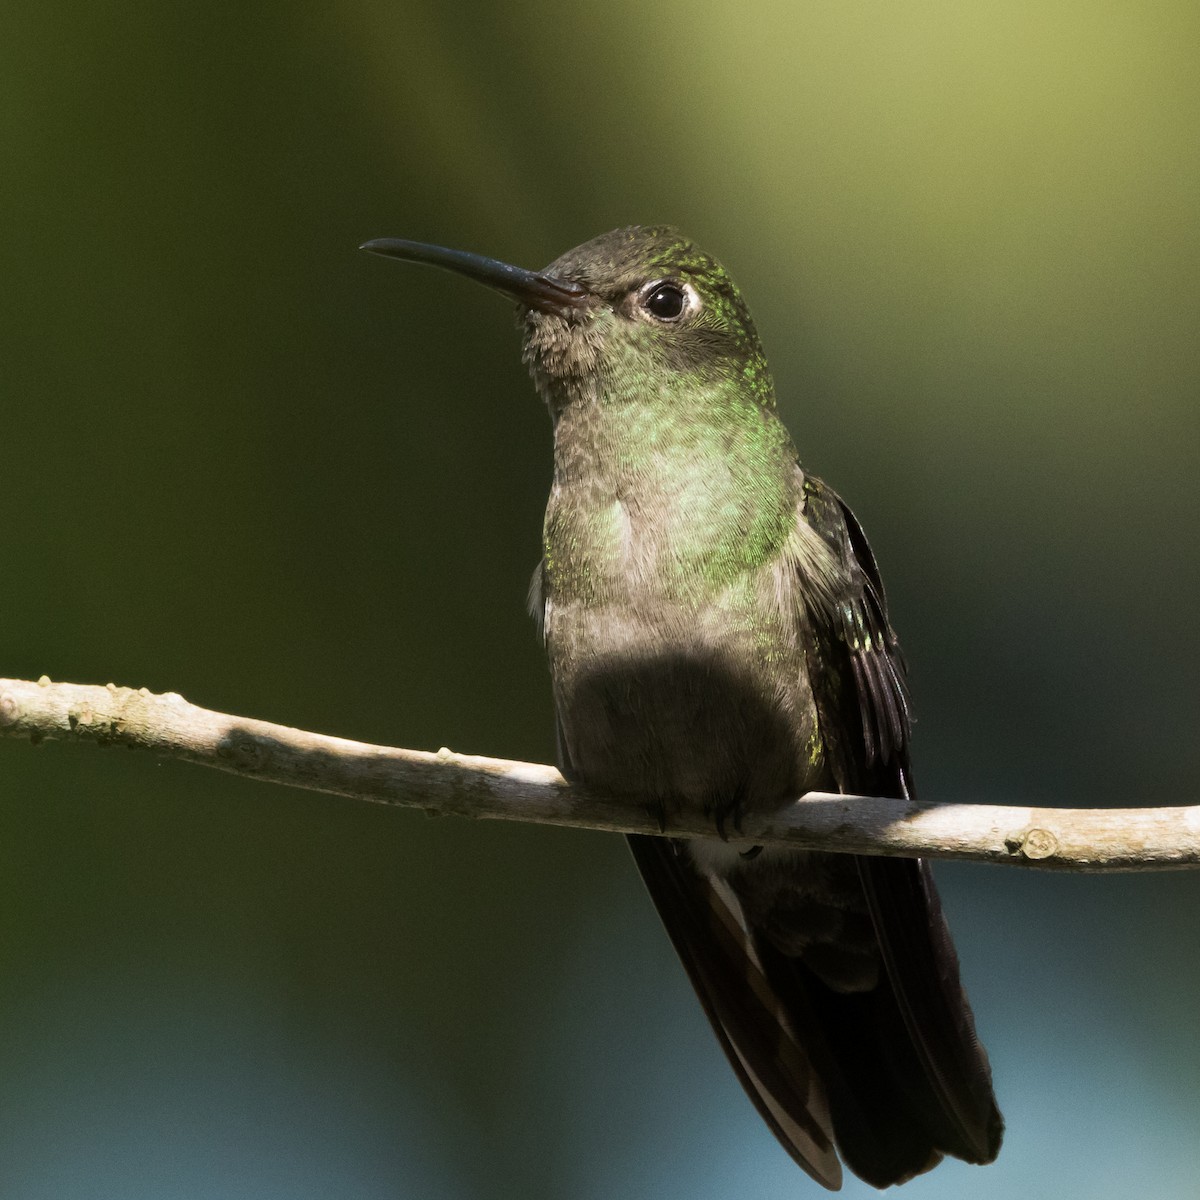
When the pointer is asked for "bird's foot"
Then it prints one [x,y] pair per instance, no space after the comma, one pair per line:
[658,811]
[727,814]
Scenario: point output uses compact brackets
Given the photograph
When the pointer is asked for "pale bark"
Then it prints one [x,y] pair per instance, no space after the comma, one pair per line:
[1122,839]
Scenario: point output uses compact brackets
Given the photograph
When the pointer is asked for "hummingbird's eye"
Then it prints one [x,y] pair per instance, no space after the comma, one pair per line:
[665,301]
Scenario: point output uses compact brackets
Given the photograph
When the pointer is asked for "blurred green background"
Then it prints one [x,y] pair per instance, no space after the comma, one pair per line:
[242,461]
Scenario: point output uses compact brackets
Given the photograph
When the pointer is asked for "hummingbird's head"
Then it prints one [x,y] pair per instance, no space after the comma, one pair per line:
[641,309]
[661,314]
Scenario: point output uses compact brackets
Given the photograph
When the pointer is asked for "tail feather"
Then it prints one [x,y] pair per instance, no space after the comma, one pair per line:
[742,1006]
[894,1077]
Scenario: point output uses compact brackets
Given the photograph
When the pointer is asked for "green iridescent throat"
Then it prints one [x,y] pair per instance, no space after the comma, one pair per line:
[676,486]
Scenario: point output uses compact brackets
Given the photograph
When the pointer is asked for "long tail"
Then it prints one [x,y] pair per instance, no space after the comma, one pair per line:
[894,1077]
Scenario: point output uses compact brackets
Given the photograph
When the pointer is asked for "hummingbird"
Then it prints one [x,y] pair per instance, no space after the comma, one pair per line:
[719,642]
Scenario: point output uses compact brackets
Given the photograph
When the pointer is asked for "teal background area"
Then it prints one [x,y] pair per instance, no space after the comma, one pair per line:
[242,461]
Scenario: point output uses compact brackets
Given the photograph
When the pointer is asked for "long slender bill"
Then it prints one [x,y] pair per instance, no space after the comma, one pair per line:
[531,288]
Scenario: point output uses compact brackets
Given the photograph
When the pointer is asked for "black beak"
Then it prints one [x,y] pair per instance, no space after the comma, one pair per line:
[530,288]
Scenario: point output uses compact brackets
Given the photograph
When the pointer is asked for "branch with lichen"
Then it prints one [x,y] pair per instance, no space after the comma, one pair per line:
[1125,839]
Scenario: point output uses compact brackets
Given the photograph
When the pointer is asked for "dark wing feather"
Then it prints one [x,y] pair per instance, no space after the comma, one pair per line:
[922,966]
[857,642]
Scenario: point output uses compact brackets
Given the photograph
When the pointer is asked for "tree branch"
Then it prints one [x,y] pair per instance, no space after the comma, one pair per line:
[1129,839]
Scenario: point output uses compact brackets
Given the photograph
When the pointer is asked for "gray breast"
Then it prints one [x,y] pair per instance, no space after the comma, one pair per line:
[682,706]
